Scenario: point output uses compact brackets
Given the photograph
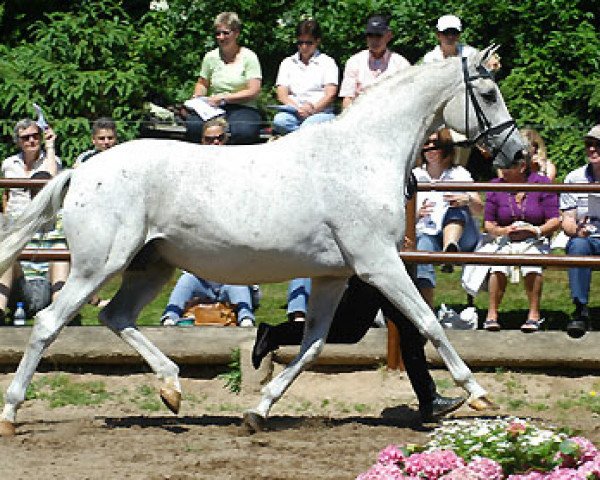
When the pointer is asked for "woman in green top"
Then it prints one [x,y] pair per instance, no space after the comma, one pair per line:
[230,78]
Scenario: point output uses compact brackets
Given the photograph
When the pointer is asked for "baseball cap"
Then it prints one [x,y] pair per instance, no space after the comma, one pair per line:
[377,24]
[447,22]
[594,133]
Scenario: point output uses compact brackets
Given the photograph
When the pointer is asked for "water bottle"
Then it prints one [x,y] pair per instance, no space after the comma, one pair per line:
[19,316]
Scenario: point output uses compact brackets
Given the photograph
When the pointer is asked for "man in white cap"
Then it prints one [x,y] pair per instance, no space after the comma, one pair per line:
[581,222]
[369,66]
[449,28]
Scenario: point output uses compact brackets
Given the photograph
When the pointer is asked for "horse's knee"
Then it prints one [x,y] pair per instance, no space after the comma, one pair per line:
[313,352]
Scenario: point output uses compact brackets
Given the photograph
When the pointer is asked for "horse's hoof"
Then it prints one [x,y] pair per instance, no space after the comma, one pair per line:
[171,398]
[7,429]
[253,421]
[482,403]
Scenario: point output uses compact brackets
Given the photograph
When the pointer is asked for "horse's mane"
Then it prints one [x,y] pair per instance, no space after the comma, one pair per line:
[398,79]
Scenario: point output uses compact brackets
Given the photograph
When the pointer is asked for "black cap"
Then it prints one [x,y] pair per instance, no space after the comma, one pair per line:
[377,24]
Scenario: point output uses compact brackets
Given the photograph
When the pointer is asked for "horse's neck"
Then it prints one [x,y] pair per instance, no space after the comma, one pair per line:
[399,113]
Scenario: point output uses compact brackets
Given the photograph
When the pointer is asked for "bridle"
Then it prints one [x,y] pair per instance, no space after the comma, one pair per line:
[485,127]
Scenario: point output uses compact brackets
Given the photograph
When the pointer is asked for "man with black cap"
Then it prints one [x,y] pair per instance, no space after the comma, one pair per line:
[581,222]
[449,28]
[370,65]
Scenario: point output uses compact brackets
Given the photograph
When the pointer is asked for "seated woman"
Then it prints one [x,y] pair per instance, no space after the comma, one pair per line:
[306,82]
[32,161]
[444,220]
[521,223]
[230,78]
[190,286]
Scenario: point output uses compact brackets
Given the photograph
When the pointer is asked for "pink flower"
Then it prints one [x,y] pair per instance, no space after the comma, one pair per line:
[528,476]
[591,468]
[432,465]
[379,471]
[391,454]
[487,469]
[587,449]
[516,428]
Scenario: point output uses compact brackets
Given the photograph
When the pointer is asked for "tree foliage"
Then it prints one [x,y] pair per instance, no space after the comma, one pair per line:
[87,58]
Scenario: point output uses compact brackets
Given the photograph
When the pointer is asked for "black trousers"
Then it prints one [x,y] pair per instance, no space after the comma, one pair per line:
[353,318]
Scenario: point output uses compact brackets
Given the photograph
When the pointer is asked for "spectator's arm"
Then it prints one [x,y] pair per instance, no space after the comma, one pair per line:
[569,223]
[283,96]
[330,91]
[49,164]
[251,91]
[201,88]
[496,230]
[475,203]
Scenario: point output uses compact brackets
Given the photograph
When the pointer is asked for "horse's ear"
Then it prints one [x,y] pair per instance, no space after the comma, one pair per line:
[484,55]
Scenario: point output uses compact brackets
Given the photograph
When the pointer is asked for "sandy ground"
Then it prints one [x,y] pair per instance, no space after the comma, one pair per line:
[327,426]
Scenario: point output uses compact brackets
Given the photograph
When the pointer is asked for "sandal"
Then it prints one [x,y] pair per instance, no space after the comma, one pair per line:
[531,325]
[491,325]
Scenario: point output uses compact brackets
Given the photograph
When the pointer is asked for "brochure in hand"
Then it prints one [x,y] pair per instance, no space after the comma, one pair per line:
[203,108]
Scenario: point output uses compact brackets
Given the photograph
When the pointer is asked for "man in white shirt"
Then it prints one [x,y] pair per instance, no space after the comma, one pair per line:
[369,66]
[449,28]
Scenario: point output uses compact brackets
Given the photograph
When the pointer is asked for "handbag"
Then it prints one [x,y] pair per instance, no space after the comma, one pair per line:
[217,313]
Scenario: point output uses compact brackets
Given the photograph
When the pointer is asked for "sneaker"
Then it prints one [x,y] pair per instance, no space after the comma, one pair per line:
[246,322]
[167,321]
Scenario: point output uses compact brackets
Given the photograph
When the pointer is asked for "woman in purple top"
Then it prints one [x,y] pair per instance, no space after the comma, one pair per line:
[521,223]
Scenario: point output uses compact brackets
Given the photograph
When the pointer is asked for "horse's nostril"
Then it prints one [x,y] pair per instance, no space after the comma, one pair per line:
[519,155]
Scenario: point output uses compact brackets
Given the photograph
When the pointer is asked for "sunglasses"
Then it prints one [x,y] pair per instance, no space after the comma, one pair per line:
[27,137]
[210,139]
[225,33]
[308,43]
[450,31]
[592,144]
[376,35]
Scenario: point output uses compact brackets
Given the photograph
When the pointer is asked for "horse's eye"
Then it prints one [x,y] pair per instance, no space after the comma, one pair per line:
[489,96]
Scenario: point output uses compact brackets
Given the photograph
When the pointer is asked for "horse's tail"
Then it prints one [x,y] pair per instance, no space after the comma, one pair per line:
[41,210]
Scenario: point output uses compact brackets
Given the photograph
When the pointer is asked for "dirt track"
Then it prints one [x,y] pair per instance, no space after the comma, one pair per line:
[327,426]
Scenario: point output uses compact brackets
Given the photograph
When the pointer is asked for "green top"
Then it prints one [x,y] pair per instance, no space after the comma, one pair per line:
[230,77]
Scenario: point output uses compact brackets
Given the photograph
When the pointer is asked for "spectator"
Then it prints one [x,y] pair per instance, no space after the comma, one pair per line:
[31,161]
[215,132]
[104,136]
[190,286]
[352,319]
[444,220]
[369,66]
[307,82]
[230,78]
[297,298]
[539,155]
[581,222]
[521,223]
[449,28]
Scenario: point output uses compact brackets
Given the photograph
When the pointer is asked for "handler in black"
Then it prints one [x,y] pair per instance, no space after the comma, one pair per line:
[352,319]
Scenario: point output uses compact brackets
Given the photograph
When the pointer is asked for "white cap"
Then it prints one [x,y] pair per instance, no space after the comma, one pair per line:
[594,133]
[449,21]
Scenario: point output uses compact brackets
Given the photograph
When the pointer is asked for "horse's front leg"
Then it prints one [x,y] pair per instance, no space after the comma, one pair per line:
[324,298]
[385,271]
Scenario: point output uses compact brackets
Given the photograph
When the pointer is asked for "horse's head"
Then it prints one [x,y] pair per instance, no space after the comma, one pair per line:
[478,110]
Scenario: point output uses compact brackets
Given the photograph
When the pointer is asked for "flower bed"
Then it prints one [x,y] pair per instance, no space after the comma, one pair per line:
[499,449]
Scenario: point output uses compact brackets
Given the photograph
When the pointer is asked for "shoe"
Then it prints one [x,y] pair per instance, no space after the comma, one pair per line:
[491,325]
[246,322]
[167,321]
[439,407]
[448,267]
[531,325]
[577,328]
[262,344]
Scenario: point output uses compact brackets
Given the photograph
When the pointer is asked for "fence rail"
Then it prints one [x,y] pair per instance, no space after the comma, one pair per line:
[411,256]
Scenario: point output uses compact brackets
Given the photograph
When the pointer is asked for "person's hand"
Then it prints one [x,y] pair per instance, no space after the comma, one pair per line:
[584,228]
[49,137]
[457,199]
[426,208]
[518,233]
[216,100]
[306,109]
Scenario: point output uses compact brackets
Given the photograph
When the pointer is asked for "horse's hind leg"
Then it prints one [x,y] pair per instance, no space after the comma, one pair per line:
[324,298]
[142,280]
[46,328]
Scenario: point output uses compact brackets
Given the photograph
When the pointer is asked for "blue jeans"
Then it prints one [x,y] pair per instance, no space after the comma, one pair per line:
[244,125]
[189,286]
[285,122]
[467,243]
[580,279]
[298,293]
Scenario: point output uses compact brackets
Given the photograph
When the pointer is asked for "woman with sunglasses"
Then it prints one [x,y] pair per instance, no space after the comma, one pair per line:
[444,220]
[539,155]
[306,82]
[230,78]
[31,161]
